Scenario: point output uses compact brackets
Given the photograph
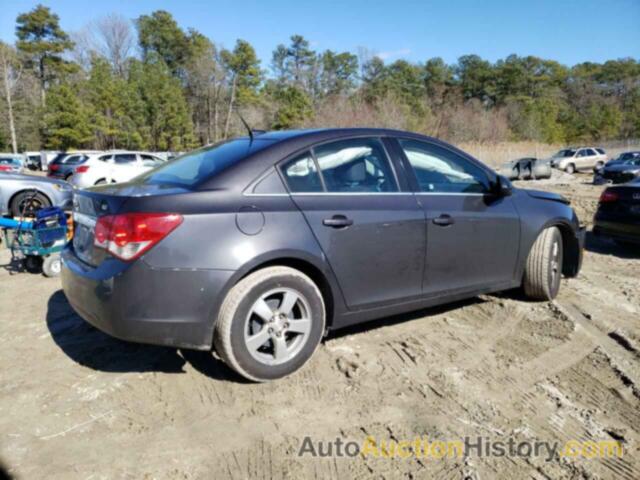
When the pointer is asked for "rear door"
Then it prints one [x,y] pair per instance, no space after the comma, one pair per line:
[582,159]
[473,236]
[125,166]
[371,231]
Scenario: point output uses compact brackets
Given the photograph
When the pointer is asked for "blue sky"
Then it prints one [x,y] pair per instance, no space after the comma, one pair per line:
[570,31]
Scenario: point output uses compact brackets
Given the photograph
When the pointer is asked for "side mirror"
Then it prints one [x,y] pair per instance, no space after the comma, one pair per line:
[503,186]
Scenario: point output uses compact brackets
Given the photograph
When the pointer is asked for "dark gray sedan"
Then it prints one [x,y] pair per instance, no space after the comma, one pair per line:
[258,246]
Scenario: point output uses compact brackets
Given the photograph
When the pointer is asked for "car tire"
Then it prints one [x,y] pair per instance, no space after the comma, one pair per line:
[36,201]
[543,269]
[571,168]
[32,263]
[51,266]
[598,166]
[252,332]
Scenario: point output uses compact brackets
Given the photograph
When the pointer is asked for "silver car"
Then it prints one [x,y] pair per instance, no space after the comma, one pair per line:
[583,158]
[11,163]
[528,168]
[24,194]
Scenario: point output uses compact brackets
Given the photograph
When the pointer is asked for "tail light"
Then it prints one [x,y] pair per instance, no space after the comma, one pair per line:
[54,168]
[129,235]
[82,169]
[608,197]
[5,168]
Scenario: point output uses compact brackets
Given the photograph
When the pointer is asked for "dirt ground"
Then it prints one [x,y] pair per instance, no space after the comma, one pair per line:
[75,403]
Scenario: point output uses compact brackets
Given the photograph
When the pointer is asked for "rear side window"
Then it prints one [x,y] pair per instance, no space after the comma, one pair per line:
[600,151]
[439,170]
[590,152]
[301,174]
[355,165]
[105,158]
[124,158]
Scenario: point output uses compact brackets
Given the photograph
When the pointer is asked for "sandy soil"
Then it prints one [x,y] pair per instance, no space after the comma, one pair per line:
[75,403]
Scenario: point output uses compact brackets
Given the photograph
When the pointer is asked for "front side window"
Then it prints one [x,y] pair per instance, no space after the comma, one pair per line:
[439,170]
[302,175]
[355,165]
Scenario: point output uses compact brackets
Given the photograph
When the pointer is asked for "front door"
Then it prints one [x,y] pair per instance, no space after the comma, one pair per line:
[372,234]
[472,234]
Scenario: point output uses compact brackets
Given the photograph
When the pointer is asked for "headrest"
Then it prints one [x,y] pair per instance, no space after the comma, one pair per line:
[356,173]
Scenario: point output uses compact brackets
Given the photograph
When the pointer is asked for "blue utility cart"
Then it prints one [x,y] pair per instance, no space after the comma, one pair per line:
[38,241]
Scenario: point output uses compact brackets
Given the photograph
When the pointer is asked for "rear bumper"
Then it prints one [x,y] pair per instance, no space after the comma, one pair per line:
[138,303]
[628,232]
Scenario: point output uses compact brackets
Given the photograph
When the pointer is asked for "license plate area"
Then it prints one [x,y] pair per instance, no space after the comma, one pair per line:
[84,226]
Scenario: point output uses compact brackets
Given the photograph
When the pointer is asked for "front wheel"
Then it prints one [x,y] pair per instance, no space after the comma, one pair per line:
[571,168]
[543,269]
[270,323]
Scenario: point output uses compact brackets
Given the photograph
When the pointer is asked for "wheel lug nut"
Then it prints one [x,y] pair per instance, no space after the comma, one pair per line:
[286,324]
[270,330]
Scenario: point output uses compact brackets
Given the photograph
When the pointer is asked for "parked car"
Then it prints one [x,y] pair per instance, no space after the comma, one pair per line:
[29,193]
[11,163]
[64,165]
[259,245]
[619,172]
[528,168]
[113,167]
[618,214]
[623,157]
[575,159]
[46,157]
[33,160]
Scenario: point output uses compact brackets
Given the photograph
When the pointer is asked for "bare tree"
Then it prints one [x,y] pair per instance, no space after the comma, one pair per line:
[111,37]
[115,39]
[11,72]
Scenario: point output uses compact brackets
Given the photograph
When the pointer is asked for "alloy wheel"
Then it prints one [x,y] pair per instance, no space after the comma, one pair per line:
[277,326]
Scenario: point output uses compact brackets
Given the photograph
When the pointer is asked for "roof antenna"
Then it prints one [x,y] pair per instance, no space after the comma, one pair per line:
[246,125]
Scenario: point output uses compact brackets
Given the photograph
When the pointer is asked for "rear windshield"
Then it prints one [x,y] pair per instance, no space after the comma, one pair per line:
[58,158]
[193,168]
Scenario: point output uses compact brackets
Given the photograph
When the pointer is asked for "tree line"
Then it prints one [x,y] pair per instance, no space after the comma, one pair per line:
[151,84]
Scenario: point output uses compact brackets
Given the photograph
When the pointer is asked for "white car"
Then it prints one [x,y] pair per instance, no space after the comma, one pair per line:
[113,167]
[583,158]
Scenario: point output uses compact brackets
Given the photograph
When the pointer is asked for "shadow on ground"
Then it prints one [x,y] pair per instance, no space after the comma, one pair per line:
[94,349]
[606,246]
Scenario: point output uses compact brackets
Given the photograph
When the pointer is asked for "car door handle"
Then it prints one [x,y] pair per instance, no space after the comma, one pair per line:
[444,220]
[337,221]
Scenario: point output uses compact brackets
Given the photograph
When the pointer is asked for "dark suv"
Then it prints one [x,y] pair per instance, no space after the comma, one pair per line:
[258,246]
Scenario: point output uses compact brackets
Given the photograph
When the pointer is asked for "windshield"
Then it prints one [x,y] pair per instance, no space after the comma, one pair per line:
[627,156]
[58,158]
[632,161]
[195,167]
